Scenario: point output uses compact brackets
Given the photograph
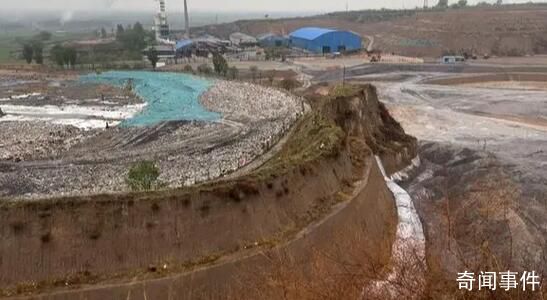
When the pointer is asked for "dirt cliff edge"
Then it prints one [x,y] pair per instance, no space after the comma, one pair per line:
[322,193]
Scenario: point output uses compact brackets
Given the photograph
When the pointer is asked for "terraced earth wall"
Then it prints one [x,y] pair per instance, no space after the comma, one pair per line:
[321,193]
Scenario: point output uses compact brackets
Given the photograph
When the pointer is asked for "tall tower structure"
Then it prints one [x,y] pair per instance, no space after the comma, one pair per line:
[186,20]
[160,22]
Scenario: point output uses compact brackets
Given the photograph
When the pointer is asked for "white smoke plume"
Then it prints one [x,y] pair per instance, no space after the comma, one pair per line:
[66,17]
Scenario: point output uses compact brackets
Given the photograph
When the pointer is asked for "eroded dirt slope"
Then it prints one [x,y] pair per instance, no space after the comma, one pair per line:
[323,183]
[482,188]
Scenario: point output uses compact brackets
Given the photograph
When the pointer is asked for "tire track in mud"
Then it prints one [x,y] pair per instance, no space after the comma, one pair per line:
[110,150]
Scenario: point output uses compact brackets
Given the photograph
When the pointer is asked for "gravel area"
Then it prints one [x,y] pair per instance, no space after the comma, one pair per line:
[42,159]
[243,101]
[35,140]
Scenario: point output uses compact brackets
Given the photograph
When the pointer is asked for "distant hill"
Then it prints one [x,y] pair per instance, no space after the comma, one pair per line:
[78,21]
[508,30]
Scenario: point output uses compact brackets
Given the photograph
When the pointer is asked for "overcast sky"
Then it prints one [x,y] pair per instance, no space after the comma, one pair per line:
[218,5]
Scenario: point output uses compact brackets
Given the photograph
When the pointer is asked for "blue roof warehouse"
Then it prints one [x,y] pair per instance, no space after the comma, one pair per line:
[323,40]
[273,40]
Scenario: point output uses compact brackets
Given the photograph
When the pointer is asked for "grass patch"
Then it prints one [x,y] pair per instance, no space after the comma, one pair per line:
[314,137]
[344,90]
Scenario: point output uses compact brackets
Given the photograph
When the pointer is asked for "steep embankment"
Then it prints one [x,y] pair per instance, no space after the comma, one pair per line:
[362,116]
[319,196]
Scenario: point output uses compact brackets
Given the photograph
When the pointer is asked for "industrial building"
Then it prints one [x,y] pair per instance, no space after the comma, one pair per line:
[165,52]
[183,48]
[324,41]
[270,40]
[161,27]
[202,46]
[243,40]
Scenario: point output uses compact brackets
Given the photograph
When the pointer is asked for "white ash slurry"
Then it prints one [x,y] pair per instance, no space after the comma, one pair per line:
[410,226]
[408,250]
[510,85]
[22,96]
[85,124]
[78,109]
[457,101]
[510,124]
[404,174]
[85,117]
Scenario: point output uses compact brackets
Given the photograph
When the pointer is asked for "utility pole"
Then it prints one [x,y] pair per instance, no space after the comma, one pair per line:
[344,76]
[186,20]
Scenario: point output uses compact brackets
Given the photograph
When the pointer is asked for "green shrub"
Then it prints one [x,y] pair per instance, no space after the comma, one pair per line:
[220,64]
[289,84]
[143,176]
[188,69]
[254,72]
[233,73]
[343,90]
[205,69]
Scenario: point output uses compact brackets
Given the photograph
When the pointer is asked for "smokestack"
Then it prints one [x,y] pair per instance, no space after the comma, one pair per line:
[186,21]
[160,22]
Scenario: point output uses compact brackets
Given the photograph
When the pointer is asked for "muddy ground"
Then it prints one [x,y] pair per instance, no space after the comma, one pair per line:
[483,185]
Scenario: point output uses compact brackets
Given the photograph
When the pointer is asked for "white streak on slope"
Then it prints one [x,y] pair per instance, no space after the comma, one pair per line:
[408,252]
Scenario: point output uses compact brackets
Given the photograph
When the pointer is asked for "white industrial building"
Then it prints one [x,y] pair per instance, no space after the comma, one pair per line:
[160,23]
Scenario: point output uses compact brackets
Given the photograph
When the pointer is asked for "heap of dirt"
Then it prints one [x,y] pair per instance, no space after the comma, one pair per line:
[113,238]
[357,110]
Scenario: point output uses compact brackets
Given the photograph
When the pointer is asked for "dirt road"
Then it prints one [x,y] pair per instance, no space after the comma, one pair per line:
[490,133]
